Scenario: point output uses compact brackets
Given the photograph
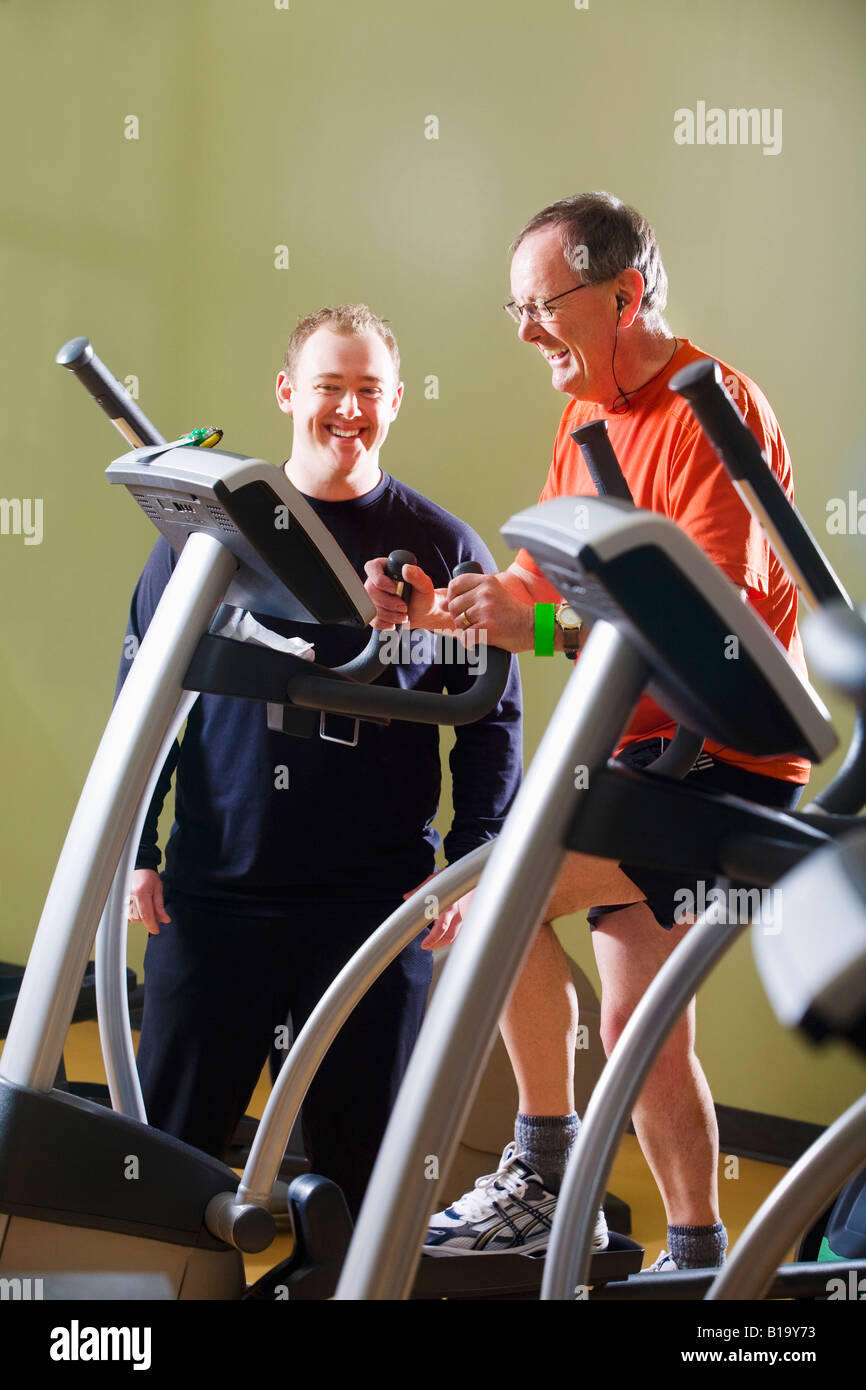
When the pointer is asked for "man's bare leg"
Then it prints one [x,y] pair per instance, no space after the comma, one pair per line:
[539,1028]
[539,1022]
[674,1117]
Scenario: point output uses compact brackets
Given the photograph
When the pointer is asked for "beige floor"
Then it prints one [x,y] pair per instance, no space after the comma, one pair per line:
[743,1183]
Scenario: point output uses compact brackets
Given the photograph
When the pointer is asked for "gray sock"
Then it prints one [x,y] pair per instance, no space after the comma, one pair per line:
[545,1142]
[698,1247]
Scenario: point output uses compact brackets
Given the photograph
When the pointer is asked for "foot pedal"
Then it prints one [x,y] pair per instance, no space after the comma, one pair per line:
[323,1229]
[513,1276]
[621,1258]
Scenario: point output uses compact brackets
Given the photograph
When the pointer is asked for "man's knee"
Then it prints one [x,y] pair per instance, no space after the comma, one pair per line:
[678,1051]
[614,1017]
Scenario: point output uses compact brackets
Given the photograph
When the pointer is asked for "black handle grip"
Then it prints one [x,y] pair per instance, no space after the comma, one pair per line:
[601,461]
[79,357]
[418,706]
[719,417]
[466,567]
[366,666]
[394,570]
[609,479]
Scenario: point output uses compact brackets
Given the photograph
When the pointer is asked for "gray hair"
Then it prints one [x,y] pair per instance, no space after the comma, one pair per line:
[601,237]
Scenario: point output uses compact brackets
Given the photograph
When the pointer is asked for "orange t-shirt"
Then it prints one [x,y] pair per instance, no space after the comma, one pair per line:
[670,467]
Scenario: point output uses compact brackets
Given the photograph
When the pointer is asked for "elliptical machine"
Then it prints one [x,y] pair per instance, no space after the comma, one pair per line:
[157,1213]
[663,615]
[183,1240]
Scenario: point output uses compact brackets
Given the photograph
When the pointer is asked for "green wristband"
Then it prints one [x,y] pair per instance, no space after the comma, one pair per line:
[545,623]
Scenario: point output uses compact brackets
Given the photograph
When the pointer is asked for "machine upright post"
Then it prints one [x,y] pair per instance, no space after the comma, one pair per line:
[566,1266]
[507,908]
[805,1190]
[112,1007]
[105,810]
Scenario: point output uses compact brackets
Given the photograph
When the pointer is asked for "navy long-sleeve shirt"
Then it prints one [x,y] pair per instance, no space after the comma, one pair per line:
[260,815]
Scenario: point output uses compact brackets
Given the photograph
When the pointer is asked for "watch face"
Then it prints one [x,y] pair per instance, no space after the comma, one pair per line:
[567,616]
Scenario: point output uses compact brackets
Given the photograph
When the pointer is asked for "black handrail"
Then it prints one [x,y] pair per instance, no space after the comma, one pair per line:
[106,390]
[737,448]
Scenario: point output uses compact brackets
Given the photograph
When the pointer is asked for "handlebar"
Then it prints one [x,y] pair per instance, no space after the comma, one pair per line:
[602,462]
[394,570]
[609,480]
[319,692]
[341,690]
[719,417]
[106,390]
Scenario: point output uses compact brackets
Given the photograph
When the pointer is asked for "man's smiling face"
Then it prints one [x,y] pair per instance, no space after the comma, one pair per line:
[342,399]
[577,342]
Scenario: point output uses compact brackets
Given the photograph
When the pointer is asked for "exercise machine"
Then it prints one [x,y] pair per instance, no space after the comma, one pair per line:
[823,994]
[663,613]
[692,962]
[128,1198]
[236,1214]
[322,1237]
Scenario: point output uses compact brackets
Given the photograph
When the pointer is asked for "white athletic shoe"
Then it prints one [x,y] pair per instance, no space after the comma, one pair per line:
[509,1210]
[663,1265]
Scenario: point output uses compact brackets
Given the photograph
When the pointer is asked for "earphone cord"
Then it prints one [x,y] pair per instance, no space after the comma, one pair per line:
[616,408]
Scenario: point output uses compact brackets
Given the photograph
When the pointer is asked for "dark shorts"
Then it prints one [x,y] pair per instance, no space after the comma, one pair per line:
[663,890]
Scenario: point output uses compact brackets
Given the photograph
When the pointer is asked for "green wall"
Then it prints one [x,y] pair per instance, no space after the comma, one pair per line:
[304,127]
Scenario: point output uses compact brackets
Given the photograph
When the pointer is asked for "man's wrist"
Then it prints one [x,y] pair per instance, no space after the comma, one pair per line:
[551,634]
[544,643]
[569,624]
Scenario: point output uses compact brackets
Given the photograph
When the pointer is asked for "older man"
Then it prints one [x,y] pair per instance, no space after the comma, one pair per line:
[589,290]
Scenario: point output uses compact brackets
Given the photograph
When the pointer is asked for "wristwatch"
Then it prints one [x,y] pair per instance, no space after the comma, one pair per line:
[569,624]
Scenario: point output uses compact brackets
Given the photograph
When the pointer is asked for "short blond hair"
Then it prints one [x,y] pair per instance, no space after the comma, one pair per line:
[351,319]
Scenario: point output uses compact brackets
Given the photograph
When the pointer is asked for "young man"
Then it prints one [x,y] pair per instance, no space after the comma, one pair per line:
[286,853]
[589,291]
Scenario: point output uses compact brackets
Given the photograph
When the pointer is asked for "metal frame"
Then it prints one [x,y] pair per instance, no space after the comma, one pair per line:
[321,1028]
[104,814]
[460,1024]
[607,1115]
[112,1006]
[804,1192]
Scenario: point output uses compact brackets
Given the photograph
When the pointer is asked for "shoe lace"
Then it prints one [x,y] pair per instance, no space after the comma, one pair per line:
[481,1202]
[664,1259]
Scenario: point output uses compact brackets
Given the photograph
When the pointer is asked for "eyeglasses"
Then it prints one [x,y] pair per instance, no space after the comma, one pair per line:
[541,310]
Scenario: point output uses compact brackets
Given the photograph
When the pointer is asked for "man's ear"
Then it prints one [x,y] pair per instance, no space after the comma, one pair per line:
[629,294]
[395,404]
[284,393]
